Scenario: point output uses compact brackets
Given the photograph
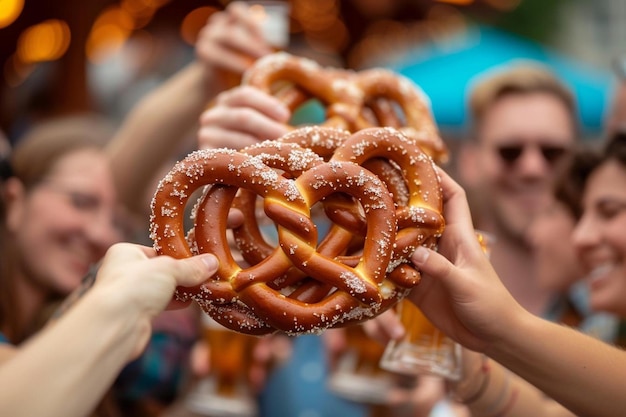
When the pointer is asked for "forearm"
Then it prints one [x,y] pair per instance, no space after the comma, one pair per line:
[152,132]
[584,374]
[489,389]
[66,369]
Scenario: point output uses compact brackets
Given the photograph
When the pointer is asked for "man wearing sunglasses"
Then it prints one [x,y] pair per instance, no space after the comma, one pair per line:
[524,124]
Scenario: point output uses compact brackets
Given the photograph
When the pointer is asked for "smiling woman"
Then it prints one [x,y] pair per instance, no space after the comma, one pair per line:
[599,237]
[61,215]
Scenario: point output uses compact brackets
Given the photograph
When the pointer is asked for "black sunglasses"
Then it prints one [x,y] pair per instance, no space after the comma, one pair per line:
[551,153]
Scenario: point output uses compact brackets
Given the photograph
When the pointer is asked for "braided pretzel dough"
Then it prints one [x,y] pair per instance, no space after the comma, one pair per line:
[302,286]
[353,100]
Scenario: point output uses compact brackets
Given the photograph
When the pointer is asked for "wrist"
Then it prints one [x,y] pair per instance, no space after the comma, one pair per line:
[519,324]
[473,386]
[120,325]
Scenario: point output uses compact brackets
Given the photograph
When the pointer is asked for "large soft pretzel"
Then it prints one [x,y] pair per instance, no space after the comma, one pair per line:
[302,285]
[353,100]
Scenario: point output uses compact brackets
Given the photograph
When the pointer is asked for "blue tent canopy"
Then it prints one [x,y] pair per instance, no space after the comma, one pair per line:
[445,69]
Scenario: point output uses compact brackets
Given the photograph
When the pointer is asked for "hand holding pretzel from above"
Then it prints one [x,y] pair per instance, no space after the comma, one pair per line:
[355,272]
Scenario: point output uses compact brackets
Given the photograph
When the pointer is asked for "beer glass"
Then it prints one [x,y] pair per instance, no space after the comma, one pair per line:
[226,391]
[424,348]
[274,19]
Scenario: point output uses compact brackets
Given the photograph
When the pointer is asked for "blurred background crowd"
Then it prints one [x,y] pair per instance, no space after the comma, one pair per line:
[68,55]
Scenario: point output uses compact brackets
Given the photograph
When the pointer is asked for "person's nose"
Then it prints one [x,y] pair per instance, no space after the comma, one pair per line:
[102,232]
[585,234]
[532,163]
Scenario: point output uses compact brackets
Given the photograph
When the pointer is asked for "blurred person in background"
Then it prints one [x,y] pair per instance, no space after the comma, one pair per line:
[523,127]
[61,214]
[123,167]
[557,266]
[524,124]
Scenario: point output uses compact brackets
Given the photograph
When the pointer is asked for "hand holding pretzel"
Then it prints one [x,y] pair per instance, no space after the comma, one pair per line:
[302,286]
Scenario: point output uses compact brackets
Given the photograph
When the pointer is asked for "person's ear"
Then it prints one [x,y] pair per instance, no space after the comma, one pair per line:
[15,200]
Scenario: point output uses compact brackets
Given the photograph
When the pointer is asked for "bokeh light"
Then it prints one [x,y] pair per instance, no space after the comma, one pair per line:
[10,10]
[108,33]
[46,41]
[193,22]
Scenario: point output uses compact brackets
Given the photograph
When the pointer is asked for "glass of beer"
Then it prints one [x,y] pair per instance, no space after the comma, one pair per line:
[358,376]
[424,348]
[226,391]
[273,17]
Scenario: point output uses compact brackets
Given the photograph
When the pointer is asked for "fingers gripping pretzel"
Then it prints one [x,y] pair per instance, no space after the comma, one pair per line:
[419,220]
[300,285]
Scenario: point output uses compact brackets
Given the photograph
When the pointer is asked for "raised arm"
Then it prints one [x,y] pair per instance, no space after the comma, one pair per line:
[462,295]
[68,366]
[153,131]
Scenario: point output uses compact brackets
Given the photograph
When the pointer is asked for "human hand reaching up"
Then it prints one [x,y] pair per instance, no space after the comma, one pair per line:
[241,117]
[460,292]
[228,44]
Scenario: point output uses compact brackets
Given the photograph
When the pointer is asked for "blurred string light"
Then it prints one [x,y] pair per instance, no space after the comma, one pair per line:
[321,24]
[140,11]
[10,10]
[108,33]
[115,24]
[45,41]
[389,40]
[193,22]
